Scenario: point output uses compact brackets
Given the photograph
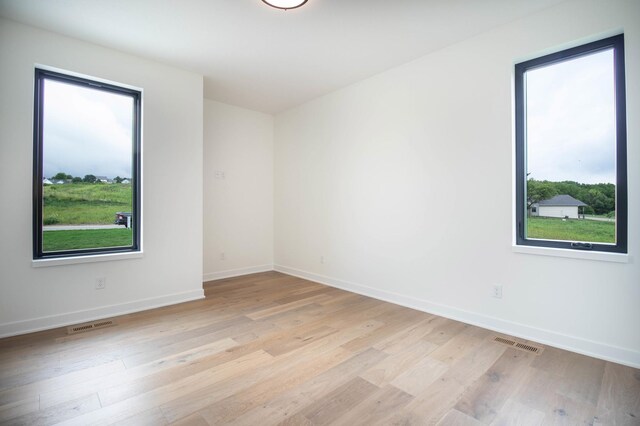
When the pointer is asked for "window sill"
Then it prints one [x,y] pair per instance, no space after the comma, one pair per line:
[573,254]
[108,257]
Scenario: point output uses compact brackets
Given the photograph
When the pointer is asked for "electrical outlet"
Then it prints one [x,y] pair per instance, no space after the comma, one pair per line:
[321,259]
[101,283]
[497,291]
[222,256]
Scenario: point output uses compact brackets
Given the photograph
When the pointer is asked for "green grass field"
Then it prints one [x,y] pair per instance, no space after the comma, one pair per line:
[87,238]
[84,203]
[571,230]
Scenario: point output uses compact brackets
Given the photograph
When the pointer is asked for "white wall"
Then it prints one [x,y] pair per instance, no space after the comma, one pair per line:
[238,209]
[558,211]
[384,179]
[171,269]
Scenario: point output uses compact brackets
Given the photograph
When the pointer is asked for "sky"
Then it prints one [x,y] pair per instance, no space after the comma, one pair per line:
[571,120]
[86,131]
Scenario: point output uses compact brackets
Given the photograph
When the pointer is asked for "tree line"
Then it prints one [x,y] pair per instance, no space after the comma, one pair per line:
[600,198]
[85,179]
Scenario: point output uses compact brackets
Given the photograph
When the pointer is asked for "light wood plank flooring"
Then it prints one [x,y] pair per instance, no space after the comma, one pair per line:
[269,349]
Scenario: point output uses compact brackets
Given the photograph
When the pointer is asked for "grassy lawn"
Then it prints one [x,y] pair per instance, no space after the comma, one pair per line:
[85,203]
[571,230]
[87,238]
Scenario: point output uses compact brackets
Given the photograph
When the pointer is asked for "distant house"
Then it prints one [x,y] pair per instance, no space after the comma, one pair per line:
[46,181]
[125,181]
[559,206]
[103,179]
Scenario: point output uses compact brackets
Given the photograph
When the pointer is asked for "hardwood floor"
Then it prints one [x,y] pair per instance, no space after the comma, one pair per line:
[273,349]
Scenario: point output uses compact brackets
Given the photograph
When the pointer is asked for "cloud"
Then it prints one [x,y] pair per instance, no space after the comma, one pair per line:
[86,131]
[571,120]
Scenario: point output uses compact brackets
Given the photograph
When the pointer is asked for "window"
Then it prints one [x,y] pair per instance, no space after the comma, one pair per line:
[571,187]
[86,178]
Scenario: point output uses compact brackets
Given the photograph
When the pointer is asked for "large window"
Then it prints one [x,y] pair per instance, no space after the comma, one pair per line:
[86,186]
[571,187]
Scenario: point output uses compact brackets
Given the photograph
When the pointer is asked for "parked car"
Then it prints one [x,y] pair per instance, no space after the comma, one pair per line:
[123,218]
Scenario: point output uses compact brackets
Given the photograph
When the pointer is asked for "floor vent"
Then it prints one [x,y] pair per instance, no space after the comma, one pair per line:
[517,345]
[80,328]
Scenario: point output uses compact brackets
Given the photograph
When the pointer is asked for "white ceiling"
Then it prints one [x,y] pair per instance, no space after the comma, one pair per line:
[267,59]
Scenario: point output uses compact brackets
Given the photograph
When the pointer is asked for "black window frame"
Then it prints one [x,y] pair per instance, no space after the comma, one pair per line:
[41,75]
[616,43]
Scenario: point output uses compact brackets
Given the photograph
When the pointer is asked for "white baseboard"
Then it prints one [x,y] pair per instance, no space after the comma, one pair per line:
[547,337]
[62,320]
[230,273]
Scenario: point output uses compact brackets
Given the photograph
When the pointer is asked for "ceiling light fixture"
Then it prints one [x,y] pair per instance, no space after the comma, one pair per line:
[285,4]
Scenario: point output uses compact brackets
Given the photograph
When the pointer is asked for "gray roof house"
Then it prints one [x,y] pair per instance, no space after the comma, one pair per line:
[562,206]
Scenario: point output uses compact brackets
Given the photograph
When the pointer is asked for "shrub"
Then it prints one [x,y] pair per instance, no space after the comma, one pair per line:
[50,220]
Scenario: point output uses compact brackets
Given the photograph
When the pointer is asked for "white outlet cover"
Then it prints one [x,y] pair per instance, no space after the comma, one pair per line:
[497,291]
